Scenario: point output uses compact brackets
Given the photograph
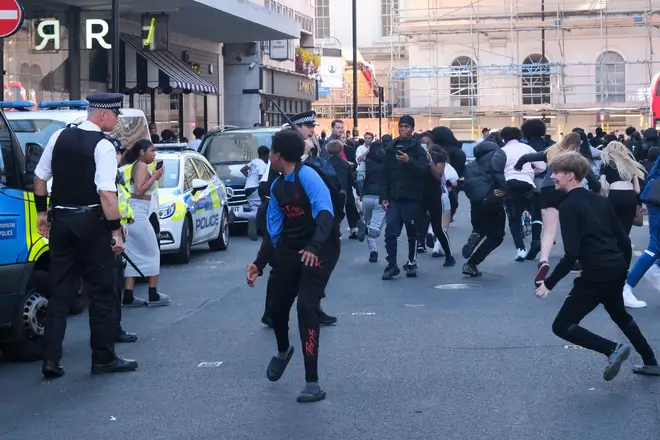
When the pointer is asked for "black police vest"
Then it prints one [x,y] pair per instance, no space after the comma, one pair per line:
[73,168]
[299,225]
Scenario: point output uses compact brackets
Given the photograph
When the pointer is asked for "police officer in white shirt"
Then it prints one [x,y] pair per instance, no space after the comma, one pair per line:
[84,232]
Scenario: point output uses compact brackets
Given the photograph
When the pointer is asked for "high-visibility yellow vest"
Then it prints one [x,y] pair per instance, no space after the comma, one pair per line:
[123,195]
[127,170]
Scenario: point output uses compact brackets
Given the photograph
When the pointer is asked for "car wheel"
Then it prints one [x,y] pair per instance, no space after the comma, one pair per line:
[28,345]
[183,256]
[222,242]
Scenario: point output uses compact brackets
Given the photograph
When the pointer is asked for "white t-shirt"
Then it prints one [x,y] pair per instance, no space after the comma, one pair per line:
[360,151]
[450,173]
[256,170]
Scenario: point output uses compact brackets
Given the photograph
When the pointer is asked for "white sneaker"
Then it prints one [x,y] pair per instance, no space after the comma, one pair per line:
[653,276]
[629,299]
[521,254]
[438,248]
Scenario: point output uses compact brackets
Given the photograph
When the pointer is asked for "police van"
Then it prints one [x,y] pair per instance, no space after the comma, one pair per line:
[24,133]
[193,203]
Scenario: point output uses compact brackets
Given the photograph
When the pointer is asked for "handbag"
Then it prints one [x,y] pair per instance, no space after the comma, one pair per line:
[652,195]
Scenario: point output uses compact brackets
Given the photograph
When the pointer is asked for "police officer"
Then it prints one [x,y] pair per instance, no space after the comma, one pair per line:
[84,230]
[126,213]
[305,123]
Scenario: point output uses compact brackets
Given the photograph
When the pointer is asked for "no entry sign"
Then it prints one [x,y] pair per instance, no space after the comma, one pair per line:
[11,17]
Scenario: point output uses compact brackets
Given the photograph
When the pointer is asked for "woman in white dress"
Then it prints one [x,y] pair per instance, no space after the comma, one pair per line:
[141,241]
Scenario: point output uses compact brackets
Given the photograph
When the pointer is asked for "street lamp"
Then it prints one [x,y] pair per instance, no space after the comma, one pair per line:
[356,131]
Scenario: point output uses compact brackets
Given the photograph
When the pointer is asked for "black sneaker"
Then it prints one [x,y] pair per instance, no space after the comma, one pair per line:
[373,257]
[470,269]
[325,319]
[472,243]
[411,269]
[534,250]
[421,249]
[430,240]
[361,230]
[353,236]
[390,272]
[450,262]
[252,229]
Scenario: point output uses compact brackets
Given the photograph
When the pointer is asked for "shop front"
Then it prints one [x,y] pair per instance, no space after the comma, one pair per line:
[293,92]
[167,68]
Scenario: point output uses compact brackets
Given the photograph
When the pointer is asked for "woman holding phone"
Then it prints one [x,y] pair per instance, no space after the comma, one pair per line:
[141,241]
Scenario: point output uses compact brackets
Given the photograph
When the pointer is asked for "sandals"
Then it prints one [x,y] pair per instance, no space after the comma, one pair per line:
[615,360]
[646,370]
[137,302]
[277,365]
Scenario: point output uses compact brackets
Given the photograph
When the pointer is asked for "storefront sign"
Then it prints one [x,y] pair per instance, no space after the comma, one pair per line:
[49,37]
[288,85]
[279,50]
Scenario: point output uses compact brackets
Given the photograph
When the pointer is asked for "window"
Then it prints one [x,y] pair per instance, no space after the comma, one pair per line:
[389,16]
[9,152]
[170,177]
[38,131]
[189,174]
[610,78]
[236,148]
[535,78]
[463,82]
[205,173]
[322,19]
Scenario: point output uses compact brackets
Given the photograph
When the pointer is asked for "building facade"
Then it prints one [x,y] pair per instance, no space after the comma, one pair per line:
[265,74]
[576,64]
[169,69]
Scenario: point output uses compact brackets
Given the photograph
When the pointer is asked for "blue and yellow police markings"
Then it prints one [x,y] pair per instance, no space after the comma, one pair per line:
[20,241]
[37,245]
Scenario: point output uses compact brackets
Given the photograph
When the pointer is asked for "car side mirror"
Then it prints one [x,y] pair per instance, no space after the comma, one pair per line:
[199,185]
[33,152]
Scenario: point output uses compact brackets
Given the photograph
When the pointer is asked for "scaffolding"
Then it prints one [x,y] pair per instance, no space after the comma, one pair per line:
[495,62]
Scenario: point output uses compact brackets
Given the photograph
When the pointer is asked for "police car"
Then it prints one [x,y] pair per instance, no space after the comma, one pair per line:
[193,203]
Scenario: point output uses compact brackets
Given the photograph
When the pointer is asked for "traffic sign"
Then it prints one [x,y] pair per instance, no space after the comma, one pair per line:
[11,17]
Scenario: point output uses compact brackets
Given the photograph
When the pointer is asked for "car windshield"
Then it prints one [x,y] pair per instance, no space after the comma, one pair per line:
[38,131]
[236,148]
[130,129]
[170,177]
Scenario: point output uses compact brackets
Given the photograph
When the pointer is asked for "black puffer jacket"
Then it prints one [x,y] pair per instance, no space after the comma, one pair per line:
[485,173]
[373,171]
[650,141]
[404,181]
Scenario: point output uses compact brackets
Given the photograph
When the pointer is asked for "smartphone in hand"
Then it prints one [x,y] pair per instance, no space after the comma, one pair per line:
[159,165]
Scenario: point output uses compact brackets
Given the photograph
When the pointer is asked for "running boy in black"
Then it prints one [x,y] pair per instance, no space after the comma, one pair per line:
[302,246]
[592,233]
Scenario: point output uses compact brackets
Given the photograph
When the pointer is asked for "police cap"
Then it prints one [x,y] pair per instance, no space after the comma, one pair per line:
[108,101]
[305,118]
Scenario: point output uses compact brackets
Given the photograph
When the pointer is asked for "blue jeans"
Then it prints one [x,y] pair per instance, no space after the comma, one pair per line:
[652,252]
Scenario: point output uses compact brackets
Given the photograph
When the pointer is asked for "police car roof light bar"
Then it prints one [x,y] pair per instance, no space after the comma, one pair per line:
[17,105]
[55,105]
[171,147]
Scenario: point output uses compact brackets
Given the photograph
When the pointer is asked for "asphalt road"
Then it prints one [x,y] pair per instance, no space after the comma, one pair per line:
[407,360]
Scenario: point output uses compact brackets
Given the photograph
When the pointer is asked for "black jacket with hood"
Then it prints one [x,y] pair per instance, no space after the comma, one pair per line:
[485,173]
[650,141]
[445,138]
[404,181]
[373,170]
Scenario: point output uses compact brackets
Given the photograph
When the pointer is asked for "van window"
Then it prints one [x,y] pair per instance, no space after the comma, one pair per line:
[8,167]
[130,129]
[236,148]
[38,131]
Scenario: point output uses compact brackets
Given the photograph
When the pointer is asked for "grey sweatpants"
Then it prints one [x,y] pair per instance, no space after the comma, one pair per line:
[374,217]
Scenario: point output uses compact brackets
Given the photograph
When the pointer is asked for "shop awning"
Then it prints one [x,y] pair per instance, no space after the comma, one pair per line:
[172,74]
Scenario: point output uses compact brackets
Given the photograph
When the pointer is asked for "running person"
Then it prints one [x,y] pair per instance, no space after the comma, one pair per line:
[592,233]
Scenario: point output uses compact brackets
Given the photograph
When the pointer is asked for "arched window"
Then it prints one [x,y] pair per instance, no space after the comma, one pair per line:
[535,74]
[463,82]
[610,77]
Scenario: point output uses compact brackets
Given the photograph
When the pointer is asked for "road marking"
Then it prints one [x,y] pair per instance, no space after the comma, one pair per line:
[363,313]
[637,253]
[112,418]
[573,347]
[8,15]
[414,306]
[459,286]
[209,364]
[592,389]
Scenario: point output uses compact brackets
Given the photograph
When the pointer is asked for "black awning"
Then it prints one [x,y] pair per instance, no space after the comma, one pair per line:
[173,73]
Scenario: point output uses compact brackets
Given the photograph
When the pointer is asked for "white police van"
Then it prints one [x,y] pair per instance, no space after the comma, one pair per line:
[37,126]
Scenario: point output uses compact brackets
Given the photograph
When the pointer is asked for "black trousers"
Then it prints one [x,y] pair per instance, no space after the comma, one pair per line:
[289,279]
[432,215]
[453,200]
[352,214]
[119,286]
[399,213]
[519,197]
[584,297]
[80,248]
[624,203]
[488,220]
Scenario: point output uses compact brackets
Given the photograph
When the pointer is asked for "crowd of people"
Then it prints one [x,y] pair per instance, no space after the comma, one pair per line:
[591,187]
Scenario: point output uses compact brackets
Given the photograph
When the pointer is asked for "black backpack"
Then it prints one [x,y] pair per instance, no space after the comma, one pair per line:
[329,176]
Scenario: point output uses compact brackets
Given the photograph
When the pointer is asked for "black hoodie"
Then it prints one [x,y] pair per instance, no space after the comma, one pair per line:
[485,173]
[404,181]
[445,138]
[373,170]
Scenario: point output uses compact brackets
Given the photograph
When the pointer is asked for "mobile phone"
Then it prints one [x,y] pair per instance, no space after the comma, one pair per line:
[159,165]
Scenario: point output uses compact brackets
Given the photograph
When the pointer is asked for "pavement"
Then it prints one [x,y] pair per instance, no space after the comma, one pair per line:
[441,356]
